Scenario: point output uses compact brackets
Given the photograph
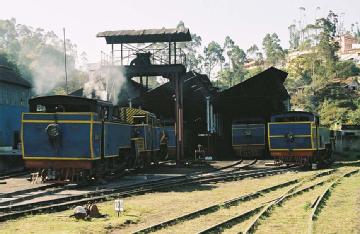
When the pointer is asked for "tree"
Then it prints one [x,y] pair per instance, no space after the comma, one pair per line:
[300,72]
[252,51]
[274,52]
[190,49]
[332,114]
[213,55]
[328,46]
[344,69]
[354,116]
[357,32]
[294,37]
[236,56]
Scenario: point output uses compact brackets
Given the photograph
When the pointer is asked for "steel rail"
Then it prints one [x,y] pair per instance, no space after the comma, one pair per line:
[29,190]
[218,228]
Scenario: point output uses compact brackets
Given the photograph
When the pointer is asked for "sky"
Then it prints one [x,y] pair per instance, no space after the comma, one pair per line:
[246,22]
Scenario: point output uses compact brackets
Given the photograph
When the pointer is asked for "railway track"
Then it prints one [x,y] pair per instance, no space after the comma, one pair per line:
[213,208]
[63,203]
[263,209]
[227,204]
[4,176]
[267,212]
[11,198]
[59,187]
[321,200]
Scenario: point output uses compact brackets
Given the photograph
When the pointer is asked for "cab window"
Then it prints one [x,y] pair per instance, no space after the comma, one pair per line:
[139,119]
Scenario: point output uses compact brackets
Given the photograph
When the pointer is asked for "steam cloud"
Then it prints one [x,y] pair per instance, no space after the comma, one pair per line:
[105,83]
[47,73]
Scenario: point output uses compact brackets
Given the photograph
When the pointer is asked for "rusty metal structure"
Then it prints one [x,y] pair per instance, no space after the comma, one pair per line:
[151,53]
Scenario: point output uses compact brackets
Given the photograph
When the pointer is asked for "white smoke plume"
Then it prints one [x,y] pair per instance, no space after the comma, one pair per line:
[47,73]
[105,83]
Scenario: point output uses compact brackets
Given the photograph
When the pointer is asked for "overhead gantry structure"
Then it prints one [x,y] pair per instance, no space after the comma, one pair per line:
[150,53]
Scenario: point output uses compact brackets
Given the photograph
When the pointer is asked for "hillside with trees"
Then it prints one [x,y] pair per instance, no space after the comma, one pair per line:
[317,78]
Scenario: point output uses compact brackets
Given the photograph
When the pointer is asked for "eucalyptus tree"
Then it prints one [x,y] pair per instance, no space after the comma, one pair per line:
[213,55]
[274,53]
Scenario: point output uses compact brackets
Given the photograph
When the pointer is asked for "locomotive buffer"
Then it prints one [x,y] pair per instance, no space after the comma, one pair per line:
[153,52]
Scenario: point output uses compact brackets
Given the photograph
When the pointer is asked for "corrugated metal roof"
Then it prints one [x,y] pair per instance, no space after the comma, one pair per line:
[8,75]
[146,35]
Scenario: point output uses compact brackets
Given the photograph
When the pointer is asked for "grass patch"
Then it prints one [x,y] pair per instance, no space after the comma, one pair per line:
[62,223]
[307,206]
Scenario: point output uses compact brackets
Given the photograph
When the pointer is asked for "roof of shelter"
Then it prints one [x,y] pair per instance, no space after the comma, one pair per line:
[146,35]
[8,75]
[268,83]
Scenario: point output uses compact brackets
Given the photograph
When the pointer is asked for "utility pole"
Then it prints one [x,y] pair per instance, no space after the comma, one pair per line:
[66,85]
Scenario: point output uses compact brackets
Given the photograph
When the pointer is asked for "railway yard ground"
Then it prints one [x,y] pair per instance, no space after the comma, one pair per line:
[244,197]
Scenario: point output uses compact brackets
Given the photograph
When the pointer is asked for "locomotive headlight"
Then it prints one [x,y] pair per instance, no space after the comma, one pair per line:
[53,130]
[290,137]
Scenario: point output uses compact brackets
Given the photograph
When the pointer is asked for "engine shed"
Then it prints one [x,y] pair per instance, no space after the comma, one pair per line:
[14,97]
[251,101]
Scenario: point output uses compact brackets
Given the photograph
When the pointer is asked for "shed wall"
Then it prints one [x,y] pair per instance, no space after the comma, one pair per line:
[13,101]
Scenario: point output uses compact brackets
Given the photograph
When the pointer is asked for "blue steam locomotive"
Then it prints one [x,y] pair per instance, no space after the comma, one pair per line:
[248,138]
[66,138]
[297,137]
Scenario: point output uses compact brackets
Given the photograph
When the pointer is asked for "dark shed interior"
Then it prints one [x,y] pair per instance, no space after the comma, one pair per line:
[253,100]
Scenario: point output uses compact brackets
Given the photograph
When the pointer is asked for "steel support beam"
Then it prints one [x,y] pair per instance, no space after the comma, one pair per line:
[179,83]
[122,56]
[208,114]
[174,52]
[112,54]
[169,52]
